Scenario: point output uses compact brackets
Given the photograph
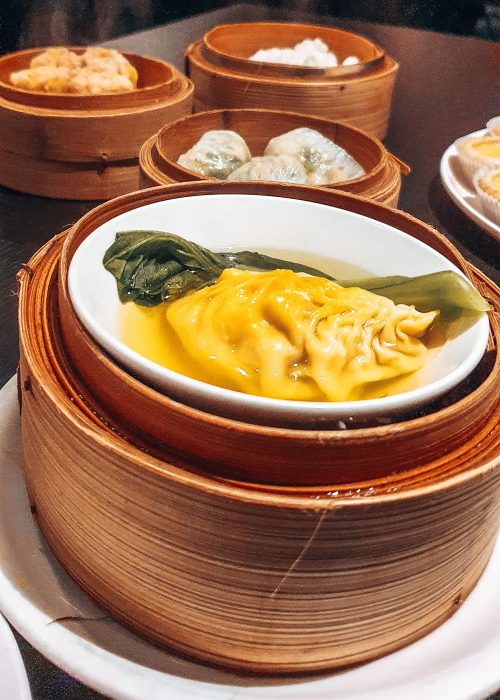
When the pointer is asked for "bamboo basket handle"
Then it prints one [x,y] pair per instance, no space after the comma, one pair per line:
[489,290]
[405,169]
[27,270]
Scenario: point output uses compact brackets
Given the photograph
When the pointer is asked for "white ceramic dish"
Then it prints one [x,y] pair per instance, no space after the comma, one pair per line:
[462,192]
[13,680]
[458,661]
[263,223]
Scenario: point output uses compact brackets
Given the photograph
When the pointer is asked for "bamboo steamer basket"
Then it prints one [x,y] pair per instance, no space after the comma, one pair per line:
[274,455]
[230,45]
[277,455]
[229,80]
[83,146]
[270,580]
[158,156]
[322,455]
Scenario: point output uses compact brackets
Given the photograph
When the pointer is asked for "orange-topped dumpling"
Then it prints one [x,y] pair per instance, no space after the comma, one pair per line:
[96,71]
[57,56]
[110,62]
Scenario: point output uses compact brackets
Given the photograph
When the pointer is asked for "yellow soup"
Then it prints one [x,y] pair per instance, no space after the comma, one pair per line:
[283,335]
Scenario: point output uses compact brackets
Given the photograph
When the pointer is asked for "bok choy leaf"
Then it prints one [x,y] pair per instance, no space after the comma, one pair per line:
[154,266]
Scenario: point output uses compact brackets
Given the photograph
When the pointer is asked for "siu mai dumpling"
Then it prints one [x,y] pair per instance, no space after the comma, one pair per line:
[95,72]
[289,336]
[324,161]
[309,52]
[216,154]
[281,168]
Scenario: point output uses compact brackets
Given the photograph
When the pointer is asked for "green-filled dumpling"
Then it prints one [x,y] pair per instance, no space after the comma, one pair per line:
[216,154]
[325,162]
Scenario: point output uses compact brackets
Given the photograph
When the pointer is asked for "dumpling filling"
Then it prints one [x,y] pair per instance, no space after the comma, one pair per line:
[288,336]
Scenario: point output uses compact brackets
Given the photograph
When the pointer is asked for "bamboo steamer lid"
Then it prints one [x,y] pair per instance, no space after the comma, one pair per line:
[159,155]
[261,453]
[255,578]
[83,146]
[361,98]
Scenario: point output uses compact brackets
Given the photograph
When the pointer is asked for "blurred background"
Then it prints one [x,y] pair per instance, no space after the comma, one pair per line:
[27,23]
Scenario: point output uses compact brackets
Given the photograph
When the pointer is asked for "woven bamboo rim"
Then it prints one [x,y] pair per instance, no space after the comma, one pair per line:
[152,175]
[158,156]
[230,573]
[230,45]
[362,100]
[278,455]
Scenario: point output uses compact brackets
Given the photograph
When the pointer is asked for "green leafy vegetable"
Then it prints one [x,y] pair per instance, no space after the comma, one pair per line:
[445,290]
[154,266]
[438,290]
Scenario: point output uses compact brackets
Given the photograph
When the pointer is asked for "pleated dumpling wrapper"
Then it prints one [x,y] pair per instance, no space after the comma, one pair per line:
[216,154]
[282,168]
[289,336]
[324,161]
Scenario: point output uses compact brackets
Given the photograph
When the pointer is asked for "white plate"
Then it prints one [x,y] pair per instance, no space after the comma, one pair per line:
[458,661]
[462,193]
[302,228]
[13,680]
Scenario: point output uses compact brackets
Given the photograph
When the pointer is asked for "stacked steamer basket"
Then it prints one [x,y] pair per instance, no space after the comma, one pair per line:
[68,146]
[224,77]
[283,550]
[159,155]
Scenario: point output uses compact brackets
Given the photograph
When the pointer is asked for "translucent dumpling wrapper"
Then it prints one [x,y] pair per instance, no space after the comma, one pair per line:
[217,154]
[324,161]
[273,168]
[289,336]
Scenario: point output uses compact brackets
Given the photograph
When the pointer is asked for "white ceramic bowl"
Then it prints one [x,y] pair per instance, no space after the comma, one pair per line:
[258,222]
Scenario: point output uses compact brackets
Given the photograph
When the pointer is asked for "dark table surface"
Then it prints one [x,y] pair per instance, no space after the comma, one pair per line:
[447,86]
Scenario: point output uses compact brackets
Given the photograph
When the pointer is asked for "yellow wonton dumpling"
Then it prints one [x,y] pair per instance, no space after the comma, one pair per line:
[283,335]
